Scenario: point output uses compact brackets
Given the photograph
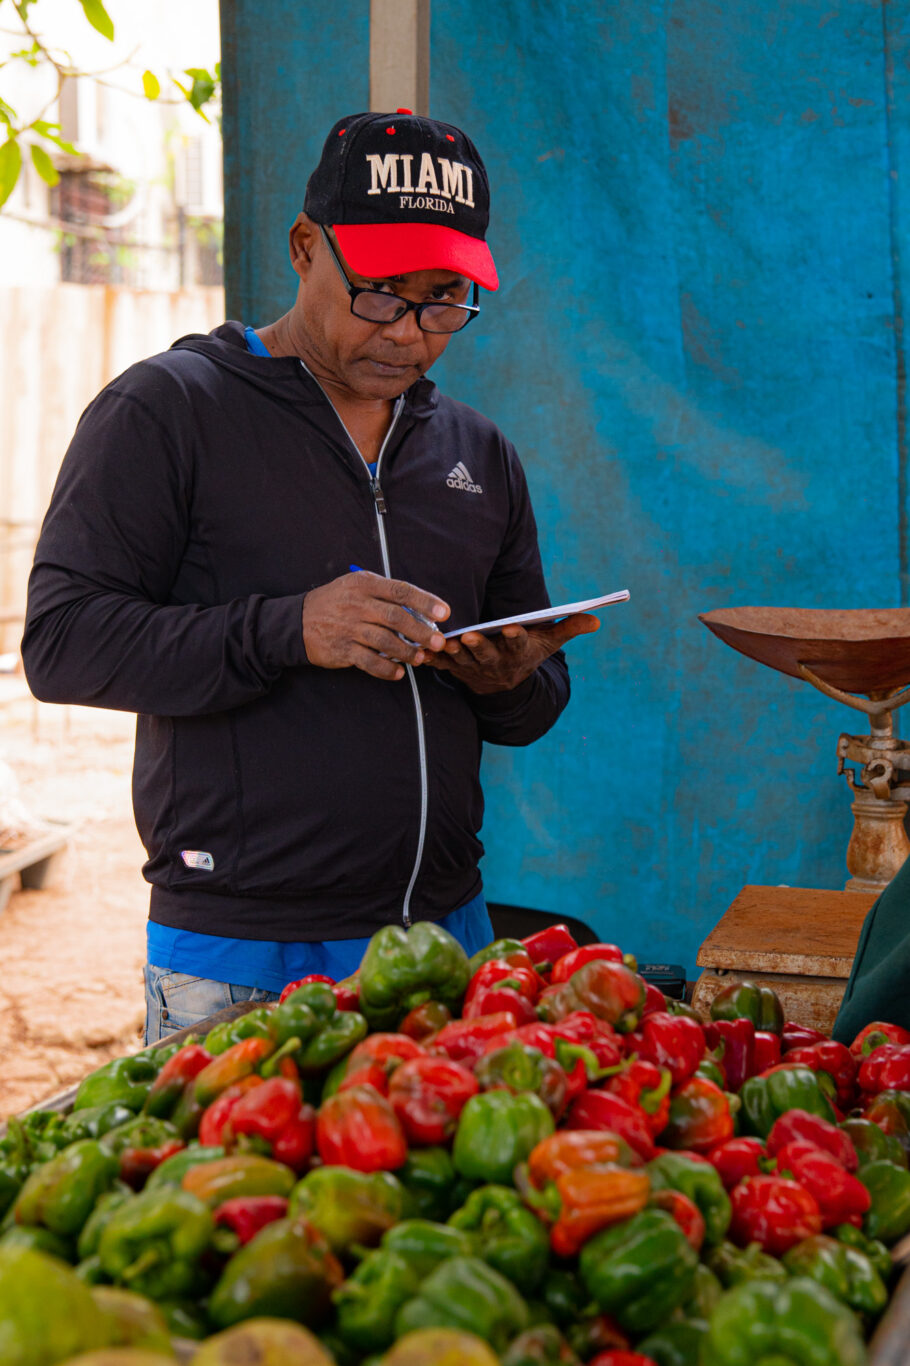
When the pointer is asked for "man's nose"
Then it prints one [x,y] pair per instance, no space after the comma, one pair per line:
[404,330]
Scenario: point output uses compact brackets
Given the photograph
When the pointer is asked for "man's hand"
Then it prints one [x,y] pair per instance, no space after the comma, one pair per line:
[354,622]
[488,664]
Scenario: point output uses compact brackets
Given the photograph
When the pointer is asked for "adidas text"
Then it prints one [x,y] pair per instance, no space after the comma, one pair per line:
[461,479]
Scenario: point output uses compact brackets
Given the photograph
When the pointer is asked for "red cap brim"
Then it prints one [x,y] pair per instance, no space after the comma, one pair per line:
[377,250]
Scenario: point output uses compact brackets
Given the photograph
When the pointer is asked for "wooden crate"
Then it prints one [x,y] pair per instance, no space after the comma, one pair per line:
[799,940]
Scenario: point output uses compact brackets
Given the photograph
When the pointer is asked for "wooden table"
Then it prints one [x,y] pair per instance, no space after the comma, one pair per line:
[799,940]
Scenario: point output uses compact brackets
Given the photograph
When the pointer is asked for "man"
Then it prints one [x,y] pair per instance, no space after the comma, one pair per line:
[253,543]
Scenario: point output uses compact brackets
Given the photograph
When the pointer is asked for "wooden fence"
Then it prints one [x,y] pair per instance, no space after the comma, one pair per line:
[58,346]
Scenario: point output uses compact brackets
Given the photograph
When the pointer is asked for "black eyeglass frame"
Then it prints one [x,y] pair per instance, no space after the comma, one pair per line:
[470,310]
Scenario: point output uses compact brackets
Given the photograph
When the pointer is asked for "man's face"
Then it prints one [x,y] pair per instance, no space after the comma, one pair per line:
[370,360]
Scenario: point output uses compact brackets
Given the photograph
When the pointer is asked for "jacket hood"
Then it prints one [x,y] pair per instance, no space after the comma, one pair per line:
[284,377]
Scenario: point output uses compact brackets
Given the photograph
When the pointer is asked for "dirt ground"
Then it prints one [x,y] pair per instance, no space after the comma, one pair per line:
[71,954]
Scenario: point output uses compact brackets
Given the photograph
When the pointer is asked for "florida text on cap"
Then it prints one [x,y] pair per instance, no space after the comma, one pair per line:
[404,193]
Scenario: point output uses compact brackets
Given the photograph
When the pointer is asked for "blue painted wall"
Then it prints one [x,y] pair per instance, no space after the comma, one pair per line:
[699,222]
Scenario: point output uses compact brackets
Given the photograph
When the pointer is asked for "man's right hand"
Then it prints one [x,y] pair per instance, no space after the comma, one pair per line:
[355,621]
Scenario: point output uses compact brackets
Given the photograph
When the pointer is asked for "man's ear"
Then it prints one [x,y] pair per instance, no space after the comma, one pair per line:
[301,241]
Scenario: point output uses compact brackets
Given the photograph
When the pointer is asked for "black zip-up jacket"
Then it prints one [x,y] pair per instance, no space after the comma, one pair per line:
[204,493]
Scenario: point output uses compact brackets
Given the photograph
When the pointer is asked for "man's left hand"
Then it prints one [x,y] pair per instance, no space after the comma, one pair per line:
[488,664]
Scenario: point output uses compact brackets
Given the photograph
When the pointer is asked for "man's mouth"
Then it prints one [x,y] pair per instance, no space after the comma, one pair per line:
[390,367]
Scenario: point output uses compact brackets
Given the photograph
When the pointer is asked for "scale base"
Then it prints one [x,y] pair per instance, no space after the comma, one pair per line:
[817,930]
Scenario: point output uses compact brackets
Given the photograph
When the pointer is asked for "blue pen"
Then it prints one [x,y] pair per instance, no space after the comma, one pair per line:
[358,569]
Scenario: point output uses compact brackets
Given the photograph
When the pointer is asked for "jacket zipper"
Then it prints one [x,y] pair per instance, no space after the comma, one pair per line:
[382,509]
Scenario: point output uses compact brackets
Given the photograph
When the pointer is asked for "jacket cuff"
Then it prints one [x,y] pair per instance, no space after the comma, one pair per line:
[281,632]
[497,705]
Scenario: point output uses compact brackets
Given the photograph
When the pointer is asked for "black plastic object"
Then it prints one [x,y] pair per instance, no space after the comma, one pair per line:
[517,922]
[670,978]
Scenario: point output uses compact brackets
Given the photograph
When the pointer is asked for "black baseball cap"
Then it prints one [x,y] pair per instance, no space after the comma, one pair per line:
[403,192]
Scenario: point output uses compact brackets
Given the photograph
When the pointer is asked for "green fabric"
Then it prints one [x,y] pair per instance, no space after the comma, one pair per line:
[877,989]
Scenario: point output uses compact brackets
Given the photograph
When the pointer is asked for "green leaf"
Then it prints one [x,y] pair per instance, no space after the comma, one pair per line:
[10,166]
[98,17]
[7,112]
[151,86]
[47,130]
[203,87]
[44,166]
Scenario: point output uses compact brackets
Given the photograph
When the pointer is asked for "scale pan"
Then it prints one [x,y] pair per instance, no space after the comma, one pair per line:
[861,651]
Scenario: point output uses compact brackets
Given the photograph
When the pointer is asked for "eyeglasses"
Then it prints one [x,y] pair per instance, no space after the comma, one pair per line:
[376,306]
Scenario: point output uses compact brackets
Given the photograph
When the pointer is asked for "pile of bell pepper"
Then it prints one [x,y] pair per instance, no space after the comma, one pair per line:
[528,1156]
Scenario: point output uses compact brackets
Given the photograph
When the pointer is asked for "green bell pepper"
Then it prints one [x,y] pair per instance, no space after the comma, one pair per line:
[543,1345]
[153,1242]
[733,1265]
[296,1017]
[749,1001]
[506,1235]
[496,1131]
[348,1206]
[701,1183]
[98,1220]
[336,1038]
[31,1285]
[40,1239]
[875,1250]
[402,969]
[172,1170]
[765,1099]
[872,1144]
[888,1217]
[465,1293]
[706,1291]
[13,1176]
[563,1296]
[432,1184]
[367,1303]
[845,1271]
[677,1343]
[139,1131]
[640,1270]
[500,948]
[424,1244]
[796,1323]
[253,1025]
[709,1069]
[285,1271]
[125,1080]
[61,1194]
[94,1122]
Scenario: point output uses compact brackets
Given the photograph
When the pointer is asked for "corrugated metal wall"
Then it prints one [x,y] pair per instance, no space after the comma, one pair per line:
[699,220]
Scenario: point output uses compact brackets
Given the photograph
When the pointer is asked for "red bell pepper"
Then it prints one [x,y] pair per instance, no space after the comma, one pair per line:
[654,999]
[423,1021]
[245,1215]
[835,1059]
[274,1114]
[213,1126]
[347,992]
[367,1074]
[427,1095]
[240,1060]
[671,1041]
[608,990]
[583,1027]
[700,1117]
[799,1036]
[567,1149]
[137,1164]
[768,1049]
[497,998]
[647,1086]
[798,1126]
[774,1212]
[546,946]
[734,1044]
[499,972]
[358,1128]
[886,1068]
[465,1040]
[602,1110]
[685,1213]
[839,1195]
[388,1050]
[875,1034]
[303,981]
[738,1158]
[170,1083]
[618,1357]
[576,958]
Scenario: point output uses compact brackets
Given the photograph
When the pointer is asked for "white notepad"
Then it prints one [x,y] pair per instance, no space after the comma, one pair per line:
[566,609]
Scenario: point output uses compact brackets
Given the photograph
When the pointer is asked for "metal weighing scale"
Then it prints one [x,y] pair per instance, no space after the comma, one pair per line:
[802,941]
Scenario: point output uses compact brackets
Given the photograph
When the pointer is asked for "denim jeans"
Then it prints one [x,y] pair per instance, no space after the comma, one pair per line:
[174,1000]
